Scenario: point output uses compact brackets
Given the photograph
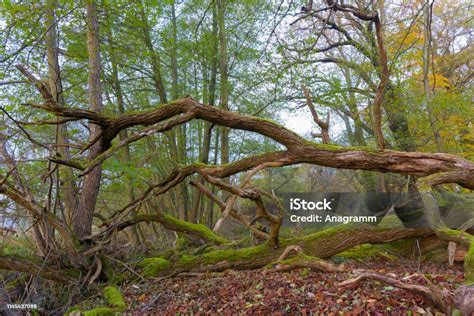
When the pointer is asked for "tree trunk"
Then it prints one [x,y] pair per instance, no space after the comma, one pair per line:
[36,266]
[181,133]
[224,88]
[322,245]
[426,72]
[384,79]
[54,73]
[82,218]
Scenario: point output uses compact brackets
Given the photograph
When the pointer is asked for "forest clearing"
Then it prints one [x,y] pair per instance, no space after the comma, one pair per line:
[236,157]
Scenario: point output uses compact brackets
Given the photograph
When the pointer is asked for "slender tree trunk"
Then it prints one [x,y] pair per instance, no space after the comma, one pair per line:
[82,218]
[380,93]
[54,73]
[183,202]
[211,204]
[224,88]
[426,72]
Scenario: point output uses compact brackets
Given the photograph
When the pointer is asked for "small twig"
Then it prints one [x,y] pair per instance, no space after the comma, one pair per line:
[23,130]
[127,267]
[5,178]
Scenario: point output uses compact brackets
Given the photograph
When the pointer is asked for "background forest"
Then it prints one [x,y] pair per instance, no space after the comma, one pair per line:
[150,139]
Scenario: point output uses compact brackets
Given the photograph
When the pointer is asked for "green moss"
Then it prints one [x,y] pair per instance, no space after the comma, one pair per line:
[454,232]
[152,266]
[333,147]
[365,251]
[264,120]
[390,221]
[100,311]
[469,264]
[114,298]
[325,233]
[116,304]
[404,246]
[195,229]
[233,254]
[181,243]
[298,258]
[186,259]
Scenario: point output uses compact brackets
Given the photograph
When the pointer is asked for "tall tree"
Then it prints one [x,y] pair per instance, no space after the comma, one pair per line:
[428,12]
[56,88]
[82,218]
[224,77]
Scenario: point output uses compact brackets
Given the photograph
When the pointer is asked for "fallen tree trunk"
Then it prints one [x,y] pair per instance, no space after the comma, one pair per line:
[322,245]
[36,266]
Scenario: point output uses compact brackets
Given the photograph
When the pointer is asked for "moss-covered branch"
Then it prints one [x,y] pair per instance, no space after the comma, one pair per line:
[171,223]
[300,150]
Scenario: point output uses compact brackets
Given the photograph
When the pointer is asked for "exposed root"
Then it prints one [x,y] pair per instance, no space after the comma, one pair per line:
[98,263]
[442,299]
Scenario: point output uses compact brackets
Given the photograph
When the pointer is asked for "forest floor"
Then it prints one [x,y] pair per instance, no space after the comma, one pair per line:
[297,292]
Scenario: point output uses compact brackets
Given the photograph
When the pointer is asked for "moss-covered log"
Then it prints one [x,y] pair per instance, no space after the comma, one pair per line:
[34,265]
[322,244]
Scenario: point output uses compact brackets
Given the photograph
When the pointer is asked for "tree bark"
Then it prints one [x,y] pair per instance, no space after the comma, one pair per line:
[426,73]
[181,130]
[82,218]
[322,245]
[224,84]
[38,267]
[55,83]
[299,150]
[323,125]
